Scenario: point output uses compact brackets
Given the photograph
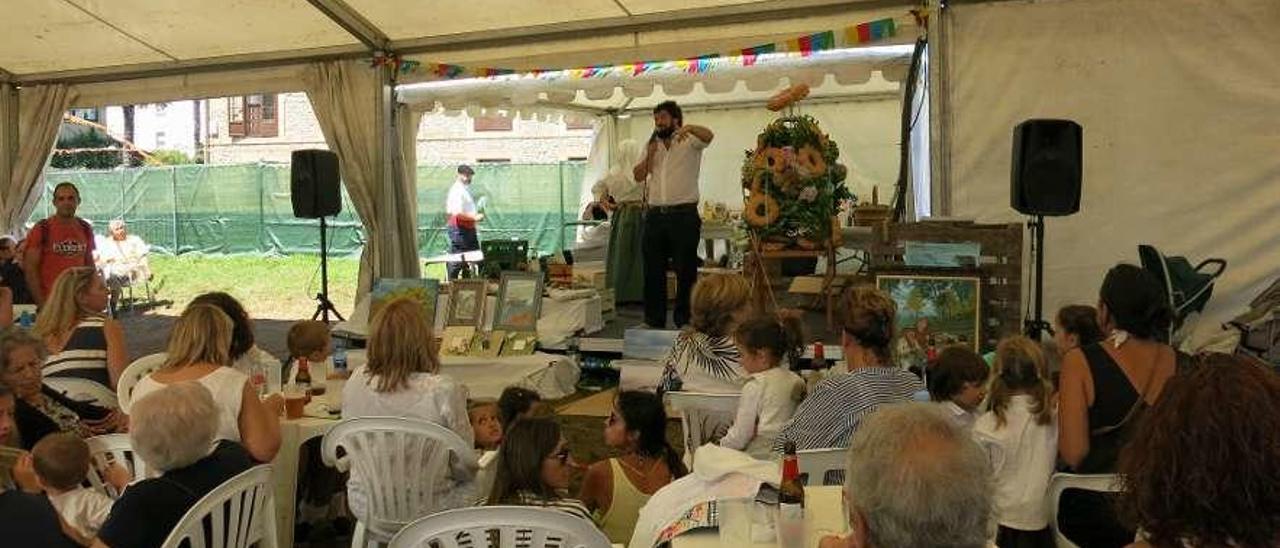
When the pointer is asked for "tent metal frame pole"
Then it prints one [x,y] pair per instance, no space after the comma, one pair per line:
[8,134]
[355,24]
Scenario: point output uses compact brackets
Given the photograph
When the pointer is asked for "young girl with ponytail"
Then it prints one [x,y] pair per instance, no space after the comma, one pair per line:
[615,489]
[1020,432]
[772,391]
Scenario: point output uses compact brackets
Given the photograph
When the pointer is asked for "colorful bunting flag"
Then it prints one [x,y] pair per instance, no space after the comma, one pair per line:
[863,33]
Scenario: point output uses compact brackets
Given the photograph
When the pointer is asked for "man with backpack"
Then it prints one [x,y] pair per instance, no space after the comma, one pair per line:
[55,244]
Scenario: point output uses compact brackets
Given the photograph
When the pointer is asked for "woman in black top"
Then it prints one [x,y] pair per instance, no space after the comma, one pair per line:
[1104,388]
[40,410]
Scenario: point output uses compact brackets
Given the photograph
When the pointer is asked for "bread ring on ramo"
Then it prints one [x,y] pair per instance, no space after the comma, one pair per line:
[810,159]
[761,210]
[755,184]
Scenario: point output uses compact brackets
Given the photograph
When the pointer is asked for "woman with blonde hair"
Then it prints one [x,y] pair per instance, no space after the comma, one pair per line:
[199,351]
[82,341]
[402,379]
[705,357]
[831,414]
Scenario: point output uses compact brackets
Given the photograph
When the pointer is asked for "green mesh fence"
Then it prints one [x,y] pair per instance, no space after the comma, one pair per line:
[245,208]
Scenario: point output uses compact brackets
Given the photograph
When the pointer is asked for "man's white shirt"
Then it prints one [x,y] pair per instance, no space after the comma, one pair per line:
[673,179]
[459,200]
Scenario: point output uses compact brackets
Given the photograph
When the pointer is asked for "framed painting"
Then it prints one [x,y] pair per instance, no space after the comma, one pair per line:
[933,312]
[466,302]
[519,302]
[423,290]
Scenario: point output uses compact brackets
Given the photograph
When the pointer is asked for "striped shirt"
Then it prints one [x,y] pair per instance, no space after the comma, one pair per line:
[832,413]
[84,356]
[573,507]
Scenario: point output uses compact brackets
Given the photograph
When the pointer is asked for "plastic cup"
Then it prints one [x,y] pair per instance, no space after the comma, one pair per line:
[294,403]
[735,521]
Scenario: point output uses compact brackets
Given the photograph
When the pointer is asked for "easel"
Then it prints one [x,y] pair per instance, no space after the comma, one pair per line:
[756,269]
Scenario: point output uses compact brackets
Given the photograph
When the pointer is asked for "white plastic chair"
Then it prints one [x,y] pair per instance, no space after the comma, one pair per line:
[129,378]
[400,461]
[701,414]
[1101,483]
[109,449]
[241,512]
[523,526]
[83,390]
[817,464]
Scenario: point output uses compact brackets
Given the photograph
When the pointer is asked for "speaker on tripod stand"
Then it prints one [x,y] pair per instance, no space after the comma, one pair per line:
[316,191]
[1045,182]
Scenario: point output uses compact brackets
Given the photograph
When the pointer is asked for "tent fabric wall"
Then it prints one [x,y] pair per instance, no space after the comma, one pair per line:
[347,98]
[866,129]
[1180,104]
[39,115]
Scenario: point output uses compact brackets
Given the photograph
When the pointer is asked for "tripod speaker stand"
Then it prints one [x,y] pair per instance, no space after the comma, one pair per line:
[316,192]
[323,305]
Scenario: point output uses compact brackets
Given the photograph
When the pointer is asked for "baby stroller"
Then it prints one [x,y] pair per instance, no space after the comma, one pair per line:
[1187,288]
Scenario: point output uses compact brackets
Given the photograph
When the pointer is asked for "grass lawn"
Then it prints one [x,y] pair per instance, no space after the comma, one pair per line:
[281,288]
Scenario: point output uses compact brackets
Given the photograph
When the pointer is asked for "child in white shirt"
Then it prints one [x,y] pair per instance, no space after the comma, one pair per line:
[61,463]
[1020,433]
[772,392]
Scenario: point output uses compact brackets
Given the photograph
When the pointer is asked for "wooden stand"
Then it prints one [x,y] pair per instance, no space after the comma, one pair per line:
[757,272]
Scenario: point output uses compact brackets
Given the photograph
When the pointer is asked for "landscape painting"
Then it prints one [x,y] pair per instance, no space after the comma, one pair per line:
[933,312]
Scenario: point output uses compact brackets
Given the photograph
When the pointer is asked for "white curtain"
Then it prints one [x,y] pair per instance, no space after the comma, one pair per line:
[604,146]
[1180,104]
[406,191]
[39,116]
[350,105]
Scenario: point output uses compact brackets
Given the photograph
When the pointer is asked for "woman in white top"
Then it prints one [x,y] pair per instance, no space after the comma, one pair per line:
[1020,434]
[198,351]
[772,392]
[402,379]
[245,354]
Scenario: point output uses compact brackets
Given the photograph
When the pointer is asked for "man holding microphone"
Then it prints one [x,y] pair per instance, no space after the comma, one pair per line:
[672,226]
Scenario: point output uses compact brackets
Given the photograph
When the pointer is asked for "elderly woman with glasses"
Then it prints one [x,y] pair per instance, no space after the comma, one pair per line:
[39,410]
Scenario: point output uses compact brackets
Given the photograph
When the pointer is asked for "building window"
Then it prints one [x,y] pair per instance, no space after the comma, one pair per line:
[577,158]
[87,114]
[491,123]
[577,124]
[160,140]
[493,160]
[253,116]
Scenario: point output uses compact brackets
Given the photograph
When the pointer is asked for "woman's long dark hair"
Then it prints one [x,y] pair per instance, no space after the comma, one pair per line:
[526,443]
[645,415]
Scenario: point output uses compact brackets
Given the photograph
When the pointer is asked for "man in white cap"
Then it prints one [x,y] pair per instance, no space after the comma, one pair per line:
[463,217]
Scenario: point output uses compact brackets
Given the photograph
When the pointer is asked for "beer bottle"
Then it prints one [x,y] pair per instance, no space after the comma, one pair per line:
[303,378]
[791,491]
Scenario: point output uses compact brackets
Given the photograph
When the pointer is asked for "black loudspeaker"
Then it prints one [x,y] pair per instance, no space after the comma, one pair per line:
[1047,160]
[314,184]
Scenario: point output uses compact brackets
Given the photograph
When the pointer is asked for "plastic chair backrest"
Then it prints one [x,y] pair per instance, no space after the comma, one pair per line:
[701,414]
[83,390]
[401,462]
[129,378]
[107,450]
[240,512]
[823,466]
[1102,483]
[523,526]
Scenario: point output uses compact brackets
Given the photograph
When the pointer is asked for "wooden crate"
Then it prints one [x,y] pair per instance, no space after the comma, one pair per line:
[999,268]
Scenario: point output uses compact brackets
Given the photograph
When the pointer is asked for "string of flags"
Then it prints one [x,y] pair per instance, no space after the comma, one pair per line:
[853,35]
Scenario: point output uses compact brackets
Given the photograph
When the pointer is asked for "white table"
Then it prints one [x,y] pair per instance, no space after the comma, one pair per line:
[824,515]
[293,433]
[550,375]
[558,321]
